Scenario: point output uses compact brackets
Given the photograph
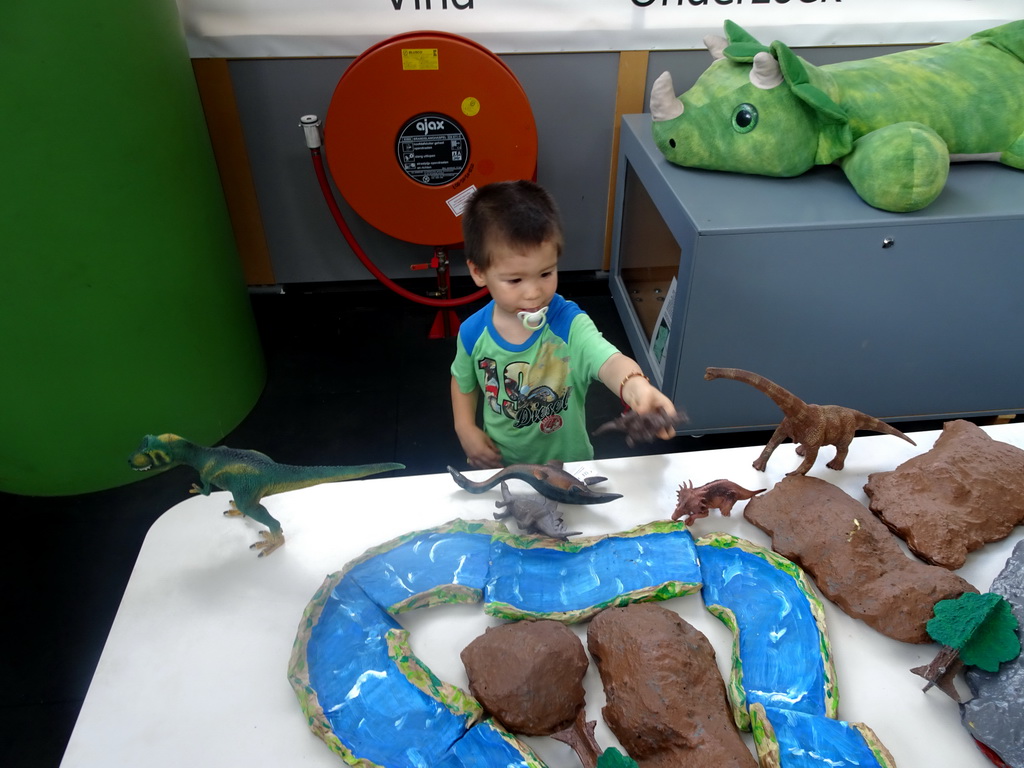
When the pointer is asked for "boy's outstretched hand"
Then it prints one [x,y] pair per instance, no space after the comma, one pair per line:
[641,427]
[622,375]
[640,395]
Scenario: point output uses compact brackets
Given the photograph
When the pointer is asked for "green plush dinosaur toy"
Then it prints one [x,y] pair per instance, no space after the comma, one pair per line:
[247,475]
[893,122]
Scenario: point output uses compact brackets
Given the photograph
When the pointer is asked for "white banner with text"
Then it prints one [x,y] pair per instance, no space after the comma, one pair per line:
[272,28]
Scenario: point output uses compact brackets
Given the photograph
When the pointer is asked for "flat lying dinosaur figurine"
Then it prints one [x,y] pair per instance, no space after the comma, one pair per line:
[810,426]
[549,480]
[247,475]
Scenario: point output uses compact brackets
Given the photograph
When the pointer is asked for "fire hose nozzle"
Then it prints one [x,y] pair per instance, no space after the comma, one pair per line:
[310,125]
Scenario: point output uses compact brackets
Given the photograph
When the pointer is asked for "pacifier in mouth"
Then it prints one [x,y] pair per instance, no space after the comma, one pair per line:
[533,321]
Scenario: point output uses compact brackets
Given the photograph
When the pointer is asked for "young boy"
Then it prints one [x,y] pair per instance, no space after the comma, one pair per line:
[531,352]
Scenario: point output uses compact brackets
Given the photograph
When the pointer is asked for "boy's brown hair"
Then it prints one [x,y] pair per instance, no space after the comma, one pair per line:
[519,213]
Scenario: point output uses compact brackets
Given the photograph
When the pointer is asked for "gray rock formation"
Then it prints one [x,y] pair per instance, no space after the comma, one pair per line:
[995,717]
[966,491]
[852,557]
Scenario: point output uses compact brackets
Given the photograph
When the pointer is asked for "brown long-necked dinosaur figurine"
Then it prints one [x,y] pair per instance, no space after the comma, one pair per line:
[810,426]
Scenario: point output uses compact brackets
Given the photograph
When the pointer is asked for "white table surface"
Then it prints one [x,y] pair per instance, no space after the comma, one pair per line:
[193,672]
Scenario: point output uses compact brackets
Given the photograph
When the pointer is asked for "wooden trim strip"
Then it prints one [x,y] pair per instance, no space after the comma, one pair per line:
[222,119]
[629,99]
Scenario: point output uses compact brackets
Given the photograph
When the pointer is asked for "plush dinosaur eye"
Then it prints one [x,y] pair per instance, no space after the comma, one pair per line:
[744,118]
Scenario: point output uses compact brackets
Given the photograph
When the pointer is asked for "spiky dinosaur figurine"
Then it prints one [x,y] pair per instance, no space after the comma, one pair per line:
[810,426]
[247,475]
[549,480]
[722,495]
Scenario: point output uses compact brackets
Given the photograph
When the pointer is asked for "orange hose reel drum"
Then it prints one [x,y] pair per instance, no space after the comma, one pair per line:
[416,123]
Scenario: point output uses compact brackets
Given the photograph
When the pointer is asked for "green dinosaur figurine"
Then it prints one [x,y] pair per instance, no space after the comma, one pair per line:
[247,475]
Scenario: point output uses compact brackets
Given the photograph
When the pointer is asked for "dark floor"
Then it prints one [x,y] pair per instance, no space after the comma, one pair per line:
[352,378]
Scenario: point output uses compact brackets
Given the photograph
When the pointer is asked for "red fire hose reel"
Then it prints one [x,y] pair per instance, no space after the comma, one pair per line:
[416,124]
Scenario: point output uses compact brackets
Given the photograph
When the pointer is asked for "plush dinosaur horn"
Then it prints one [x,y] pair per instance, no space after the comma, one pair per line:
[664,104]
[766,73]
[716,45]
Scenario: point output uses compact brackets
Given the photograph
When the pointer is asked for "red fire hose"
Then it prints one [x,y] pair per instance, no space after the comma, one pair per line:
[339,219]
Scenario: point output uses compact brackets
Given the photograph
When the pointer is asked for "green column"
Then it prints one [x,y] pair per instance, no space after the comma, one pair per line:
[124,309]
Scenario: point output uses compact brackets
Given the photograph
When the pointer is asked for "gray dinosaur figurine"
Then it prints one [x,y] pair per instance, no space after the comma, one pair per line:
[539,516]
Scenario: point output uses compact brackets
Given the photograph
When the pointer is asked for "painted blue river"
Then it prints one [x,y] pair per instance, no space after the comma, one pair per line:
[375,704]
[783,676]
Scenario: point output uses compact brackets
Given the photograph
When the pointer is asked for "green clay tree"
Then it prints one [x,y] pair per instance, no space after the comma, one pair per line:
[979,630]
[612,758]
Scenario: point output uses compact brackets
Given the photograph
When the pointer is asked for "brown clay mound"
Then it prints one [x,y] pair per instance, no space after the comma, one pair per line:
[966,491]
[852,557]
[666,700]
[529,675]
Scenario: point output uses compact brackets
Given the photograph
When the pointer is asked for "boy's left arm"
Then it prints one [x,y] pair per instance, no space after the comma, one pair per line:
[623,376]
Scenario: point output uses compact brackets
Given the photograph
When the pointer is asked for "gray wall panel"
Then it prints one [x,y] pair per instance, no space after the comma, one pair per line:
[305,245]
[573,101]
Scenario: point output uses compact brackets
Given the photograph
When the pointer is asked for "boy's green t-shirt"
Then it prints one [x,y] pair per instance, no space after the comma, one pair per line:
[534,393]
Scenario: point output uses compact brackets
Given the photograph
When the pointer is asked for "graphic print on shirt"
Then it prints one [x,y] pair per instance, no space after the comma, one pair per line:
[534,394]
[491,393]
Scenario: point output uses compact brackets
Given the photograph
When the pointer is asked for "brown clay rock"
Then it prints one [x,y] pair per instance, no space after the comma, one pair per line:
[852,557]
[966,491]
[666,700]
[528,675]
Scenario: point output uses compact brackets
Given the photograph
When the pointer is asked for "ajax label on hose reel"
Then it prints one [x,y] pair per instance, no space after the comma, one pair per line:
[432,149]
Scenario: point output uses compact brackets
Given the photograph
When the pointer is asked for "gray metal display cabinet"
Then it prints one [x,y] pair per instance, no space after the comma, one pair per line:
[903,316]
